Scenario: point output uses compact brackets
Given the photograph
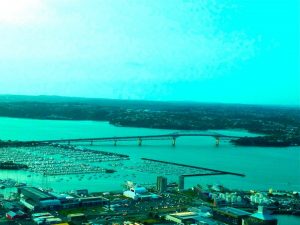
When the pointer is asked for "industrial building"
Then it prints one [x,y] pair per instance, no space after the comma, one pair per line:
[93,201]
[191,217]
[262,217]
[207,221]
[230,215]
[67,201]
[203,211]
[240,217]
[45,218]
[35,199]
[182,217]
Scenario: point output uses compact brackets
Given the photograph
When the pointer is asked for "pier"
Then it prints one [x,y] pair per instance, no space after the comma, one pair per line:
[208,171]
[198,172]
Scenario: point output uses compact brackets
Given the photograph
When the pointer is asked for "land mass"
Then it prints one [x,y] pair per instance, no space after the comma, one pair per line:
[279,125]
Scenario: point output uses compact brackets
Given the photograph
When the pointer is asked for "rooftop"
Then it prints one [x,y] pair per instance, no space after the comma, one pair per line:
[234,211]
[263,214]
[38,193]
[183,215]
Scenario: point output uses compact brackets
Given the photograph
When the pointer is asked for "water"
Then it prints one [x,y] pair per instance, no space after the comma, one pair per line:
[288,220]
[265,168]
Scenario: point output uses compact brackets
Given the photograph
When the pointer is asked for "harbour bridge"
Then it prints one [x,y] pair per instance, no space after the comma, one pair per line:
[139,138]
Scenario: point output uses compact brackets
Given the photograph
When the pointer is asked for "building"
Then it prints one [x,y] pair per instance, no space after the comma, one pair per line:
[140,193]
[67,201]
[202,211]
[82,192]
[36,215]
[11,215]
[116,207]
[45,218]
[35,194]
[131,223]
[230,215]
[93,201]
[76,217]
[261,217]
[42,219]
[191,217]
[181,183]
[53,221]
[10,206]
[161,184]
[182,217]
[206,221]
[35,199]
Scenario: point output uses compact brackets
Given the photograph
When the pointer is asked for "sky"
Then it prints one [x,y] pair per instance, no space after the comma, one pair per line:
[229,51]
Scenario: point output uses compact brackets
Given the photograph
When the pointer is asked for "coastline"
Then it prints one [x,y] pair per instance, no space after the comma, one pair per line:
[254,141]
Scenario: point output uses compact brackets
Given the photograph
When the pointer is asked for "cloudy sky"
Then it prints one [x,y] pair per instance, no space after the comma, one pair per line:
[237,51]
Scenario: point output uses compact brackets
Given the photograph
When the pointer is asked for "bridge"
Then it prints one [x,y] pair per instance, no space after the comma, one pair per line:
[173,137]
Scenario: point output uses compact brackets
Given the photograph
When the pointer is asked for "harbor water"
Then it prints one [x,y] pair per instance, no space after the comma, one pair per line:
[276,168]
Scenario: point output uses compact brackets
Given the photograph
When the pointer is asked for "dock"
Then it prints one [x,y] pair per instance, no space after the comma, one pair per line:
[212,171]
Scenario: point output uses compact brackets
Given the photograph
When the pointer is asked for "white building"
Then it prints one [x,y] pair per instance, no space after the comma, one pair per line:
[139,193]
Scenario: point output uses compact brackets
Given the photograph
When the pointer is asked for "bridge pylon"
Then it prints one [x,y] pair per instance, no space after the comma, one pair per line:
[173,141]
[217,141]
[140,141]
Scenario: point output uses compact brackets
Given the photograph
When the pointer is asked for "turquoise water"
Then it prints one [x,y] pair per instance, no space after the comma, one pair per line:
[265,168]
[288,220]
[276,168]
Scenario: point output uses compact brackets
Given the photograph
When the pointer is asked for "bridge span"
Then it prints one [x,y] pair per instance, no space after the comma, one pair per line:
[173,137]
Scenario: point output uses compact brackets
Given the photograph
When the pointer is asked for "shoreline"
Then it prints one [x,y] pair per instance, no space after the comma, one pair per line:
[264,140]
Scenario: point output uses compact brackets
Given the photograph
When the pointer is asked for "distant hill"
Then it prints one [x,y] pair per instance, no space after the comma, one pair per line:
[281,124]
[122,102]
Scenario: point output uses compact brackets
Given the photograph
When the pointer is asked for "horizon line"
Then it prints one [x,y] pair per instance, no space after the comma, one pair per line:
[158,101]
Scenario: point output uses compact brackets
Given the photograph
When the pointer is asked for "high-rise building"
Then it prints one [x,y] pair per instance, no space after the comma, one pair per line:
[181,183]
[161,184]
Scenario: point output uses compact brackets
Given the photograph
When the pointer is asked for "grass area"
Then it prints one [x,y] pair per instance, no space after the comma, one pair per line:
[173,209]
[190,193]
[65,212]
[150,221]
[89,210]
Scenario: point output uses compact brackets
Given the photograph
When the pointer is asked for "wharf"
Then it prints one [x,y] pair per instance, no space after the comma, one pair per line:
[216,172]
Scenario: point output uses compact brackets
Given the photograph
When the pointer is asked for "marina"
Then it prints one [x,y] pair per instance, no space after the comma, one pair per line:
[59,159]
[10,183]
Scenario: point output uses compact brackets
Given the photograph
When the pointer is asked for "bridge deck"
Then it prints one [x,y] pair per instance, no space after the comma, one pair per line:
[130,138]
